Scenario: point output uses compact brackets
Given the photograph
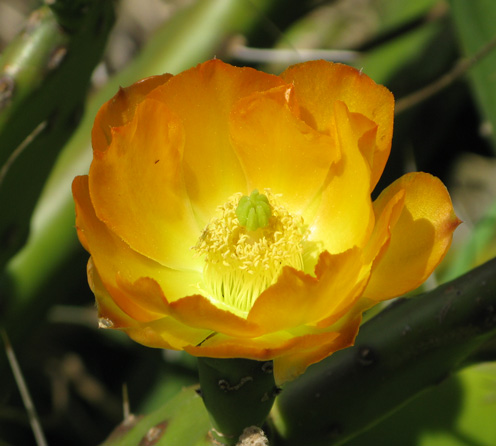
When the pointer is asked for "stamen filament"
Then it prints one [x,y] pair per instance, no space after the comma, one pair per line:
[246,247]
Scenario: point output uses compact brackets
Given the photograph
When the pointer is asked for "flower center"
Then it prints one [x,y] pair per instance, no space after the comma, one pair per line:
[254,211]
[246,247]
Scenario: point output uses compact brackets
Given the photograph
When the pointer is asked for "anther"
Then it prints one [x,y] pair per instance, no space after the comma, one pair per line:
[243,261]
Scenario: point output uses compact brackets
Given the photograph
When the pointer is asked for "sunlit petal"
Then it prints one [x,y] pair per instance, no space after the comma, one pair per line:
[419,239]
[275,147]
[137,187]
[113,258]
[319,84]
[202,98]
[344,216]
[120,109]
[339,281]
[165,332]
[292,364]
[228,212]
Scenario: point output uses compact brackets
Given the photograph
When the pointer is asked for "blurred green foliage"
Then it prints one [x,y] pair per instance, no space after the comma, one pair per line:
[75,373]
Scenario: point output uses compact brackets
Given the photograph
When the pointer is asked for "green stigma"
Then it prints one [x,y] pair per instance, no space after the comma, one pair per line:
[254,211]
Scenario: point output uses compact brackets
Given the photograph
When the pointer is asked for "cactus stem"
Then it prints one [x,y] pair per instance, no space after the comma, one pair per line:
[238,393]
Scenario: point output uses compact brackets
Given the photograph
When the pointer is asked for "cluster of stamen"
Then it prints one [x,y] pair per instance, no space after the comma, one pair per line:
[241,263]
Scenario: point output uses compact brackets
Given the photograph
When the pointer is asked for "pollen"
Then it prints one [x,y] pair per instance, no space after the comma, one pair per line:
[243,259]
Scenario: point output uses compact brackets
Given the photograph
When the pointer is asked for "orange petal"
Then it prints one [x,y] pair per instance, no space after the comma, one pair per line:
[367,141]
[275,147]
[166,332]
[202,98]
[115,262]
[120,109]
[162,333]
[345,217]
[107,308]
[167,328]
[197,311]
[386,216]
[319,84]
[262,348]
[289,366]
[137,189]
[299,299]
[419,239]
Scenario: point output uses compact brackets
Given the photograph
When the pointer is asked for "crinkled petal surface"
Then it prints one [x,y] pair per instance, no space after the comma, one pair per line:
[289,366]
[275,147]
[170,151]
[137,187]
[165,332]
[202,98]
[344,216]
[305,299]
[120,109]
[319,84]
[116,261]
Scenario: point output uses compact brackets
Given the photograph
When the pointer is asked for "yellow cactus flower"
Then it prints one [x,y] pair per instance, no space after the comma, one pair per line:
[228,212]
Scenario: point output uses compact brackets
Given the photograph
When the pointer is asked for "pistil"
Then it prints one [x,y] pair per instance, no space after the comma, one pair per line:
[246,247]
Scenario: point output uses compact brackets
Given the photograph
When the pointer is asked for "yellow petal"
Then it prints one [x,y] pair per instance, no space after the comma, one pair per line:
[386,216]
[202,98]
[169,150]
[162,333]
[195,310]
[120,109]
[199,312]
[107,308]
[319,84]
[345,217]
[419,239]
[289,366]
[137,188]
[262,348]
[292,353]
[306,300]
[116,263]
[275,147]
[367,141]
